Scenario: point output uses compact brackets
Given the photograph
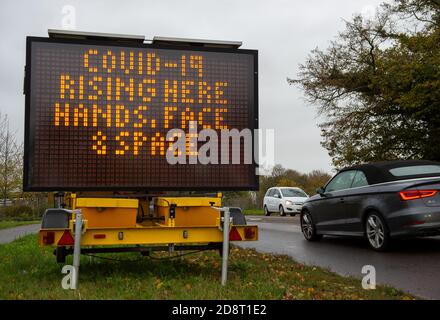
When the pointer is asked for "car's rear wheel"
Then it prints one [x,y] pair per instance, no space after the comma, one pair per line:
[282,213]
[308,227]
[377,232]
[266,211]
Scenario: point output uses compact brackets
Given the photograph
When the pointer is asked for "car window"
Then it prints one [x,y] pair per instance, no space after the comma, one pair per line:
[276,192]
[341,181]
[359,180]
[293,193]
[269,193]
[415,170]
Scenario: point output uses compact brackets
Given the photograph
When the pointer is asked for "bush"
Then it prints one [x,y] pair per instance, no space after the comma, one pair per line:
[39,210]
[22,212]
[243,199]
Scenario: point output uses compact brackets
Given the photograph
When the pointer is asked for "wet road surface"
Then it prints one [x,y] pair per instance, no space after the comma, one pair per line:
[412,265]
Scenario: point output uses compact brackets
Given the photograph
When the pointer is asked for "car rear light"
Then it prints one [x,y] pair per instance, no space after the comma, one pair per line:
[416,194]
[234,235]
[66,239]
[49,237]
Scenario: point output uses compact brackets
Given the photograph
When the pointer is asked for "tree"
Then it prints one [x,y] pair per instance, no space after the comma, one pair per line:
[280,176]
[10,161]
[315,180]
[378,85]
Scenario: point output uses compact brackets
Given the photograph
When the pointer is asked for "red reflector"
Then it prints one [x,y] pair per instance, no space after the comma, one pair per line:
[99,236]
[416,194]
[49,237]
[66,239]
[234,235]
[249,233]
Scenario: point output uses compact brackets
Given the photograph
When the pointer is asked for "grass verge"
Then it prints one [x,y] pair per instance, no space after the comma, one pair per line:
[10,223]
[30,272]
[253,212]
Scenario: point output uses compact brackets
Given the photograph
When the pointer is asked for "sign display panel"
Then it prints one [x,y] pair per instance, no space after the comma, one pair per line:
[99,115]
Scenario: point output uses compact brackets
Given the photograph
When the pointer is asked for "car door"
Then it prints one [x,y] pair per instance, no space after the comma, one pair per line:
[353,200]
[331,212]
[267,199]
[276,199]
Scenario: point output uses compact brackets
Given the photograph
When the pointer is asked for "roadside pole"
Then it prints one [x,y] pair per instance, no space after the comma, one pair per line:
[225,252]
[77,247]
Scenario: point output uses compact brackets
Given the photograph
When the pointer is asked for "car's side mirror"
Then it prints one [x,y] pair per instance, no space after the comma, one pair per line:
[320,191]
[276,196]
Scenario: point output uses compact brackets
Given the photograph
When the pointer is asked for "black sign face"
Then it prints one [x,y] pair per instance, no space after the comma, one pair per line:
[97,115]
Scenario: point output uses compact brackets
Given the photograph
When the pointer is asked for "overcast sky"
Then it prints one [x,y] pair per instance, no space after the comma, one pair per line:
[283,31]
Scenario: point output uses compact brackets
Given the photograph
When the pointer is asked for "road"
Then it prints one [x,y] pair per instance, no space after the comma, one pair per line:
[412,266]
[8,235]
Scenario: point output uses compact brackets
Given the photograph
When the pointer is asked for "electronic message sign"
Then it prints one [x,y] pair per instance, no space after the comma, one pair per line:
[98,114]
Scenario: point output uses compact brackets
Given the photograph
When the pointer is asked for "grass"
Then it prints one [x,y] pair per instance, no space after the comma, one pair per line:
[253,212]
[10,223]
[30,272]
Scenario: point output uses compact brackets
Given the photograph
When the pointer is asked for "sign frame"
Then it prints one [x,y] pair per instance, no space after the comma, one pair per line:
[27,121]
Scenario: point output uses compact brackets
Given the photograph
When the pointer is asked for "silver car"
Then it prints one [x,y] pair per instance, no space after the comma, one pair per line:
[284,200]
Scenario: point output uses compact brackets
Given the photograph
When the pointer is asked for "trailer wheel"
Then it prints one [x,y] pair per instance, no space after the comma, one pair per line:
[61,253]
[220,251]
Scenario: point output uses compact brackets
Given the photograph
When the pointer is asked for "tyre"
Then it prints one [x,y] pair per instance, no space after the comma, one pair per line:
[282,213]
[377,232]
[266,211]
[60,253]
[220,251]
[308,227]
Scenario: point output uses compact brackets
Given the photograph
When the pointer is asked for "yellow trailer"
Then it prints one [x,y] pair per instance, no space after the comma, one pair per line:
[138,224]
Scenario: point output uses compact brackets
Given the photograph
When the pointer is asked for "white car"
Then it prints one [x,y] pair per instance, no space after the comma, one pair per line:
[284,200]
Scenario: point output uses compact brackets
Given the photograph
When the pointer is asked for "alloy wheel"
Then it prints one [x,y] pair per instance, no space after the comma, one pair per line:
[282,213]
[306,225]
[375,231]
